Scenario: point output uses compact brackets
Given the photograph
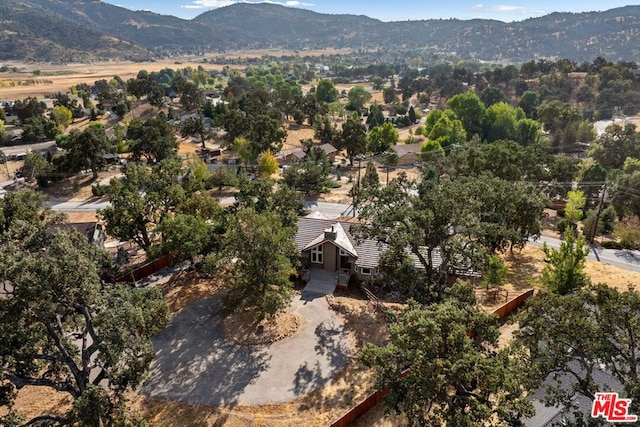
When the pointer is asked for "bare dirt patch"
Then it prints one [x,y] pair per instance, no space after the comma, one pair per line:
[295,134]
[77,188]
[187,287]
[242,329]
[33,401]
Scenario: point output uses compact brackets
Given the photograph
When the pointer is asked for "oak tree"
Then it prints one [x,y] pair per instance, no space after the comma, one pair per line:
[77,334]
[441,366]
[256,262]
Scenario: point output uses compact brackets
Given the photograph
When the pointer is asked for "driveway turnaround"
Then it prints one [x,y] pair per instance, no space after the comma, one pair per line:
[195,364]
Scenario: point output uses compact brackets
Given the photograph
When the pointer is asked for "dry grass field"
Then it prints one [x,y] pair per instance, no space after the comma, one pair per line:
[59,78]
[52,78]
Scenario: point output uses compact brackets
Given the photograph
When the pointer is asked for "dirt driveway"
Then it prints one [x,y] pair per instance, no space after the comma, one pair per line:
[195,364]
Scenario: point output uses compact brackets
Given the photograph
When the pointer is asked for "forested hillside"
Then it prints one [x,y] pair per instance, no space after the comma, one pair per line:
[48,29]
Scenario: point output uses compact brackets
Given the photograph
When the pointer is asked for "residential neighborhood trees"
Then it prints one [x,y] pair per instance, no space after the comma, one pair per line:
[311,175]
[564,272]
[86,149]
[353,138]
[483,176]
[448,225]
[358,95]
[141,200]
[195,126]
[152,139]
[582,343]
[326,91]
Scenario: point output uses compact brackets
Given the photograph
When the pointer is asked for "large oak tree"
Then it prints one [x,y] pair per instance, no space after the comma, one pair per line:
[63,328]
[441,366]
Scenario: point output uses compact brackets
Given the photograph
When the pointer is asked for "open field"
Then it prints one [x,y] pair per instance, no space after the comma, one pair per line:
[59,78]
[52,78]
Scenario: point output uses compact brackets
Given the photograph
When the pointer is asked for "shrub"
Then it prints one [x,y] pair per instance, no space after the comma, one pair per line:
[612,244]
[564,223]
[99,190]
[628,232]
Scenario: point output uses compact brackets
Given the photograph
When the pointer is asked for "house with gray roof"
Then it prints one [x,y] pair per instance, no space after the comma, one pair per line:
[330,245]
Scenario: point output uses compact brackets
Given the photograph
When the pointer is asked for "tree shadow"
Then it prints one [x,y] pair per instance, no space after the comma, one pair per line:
[194,364]
[176,413]
[308,379]
[632,257]
[331,342]
[523,268]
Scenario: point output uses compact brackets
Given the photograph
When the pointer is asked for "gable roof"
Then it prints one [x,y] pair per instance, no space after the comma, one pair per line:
[404,149]
[312,232]
[299,153]
[328,148]
[336,235]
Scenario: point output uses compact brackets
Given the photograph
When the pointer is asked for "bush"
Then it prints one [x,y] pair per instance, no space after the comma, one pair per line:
[628,232]
[612,244]
[99,190]
[563,224]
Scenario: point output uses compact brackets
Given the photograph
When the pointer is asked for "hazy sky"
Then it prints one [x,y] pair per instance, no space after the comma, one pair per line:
[515,10]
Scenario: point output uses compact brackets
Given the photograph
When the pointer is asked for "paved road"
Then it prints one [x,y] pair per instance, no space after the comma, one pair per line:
[76,206]
[629,260]
[195,364]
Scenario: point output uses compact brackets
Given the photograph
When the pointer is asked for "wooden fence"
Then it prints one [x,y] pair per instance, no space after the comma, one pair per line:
[374,398]
[364,406]
[146,269]
[360,409]
[509,307]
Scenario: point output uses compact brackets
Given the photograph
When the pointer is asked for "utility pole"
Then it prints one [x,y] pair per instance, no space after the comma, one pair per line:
[356,187]
[594,227]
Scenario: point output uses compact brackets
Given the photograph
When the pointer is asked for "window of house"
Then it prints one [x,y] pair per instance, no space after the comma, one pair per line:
[316,254]
[343,252]
[366,271]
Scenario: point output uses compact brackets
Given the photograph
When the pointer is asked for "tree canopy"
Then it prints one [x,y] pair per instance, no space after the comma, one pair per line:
[358,96]
[77,335]
[447,225]
[582,343]
[152,139]
[441,367]
[256,262]
[86,149]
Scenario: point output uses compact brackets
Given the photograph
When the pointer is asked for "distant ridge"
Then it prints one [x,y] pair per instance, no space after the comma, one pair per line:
[72,29]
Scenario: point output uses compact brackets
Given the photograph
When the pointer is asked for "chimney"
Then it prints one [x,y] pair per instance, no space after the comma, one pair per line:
[330,233]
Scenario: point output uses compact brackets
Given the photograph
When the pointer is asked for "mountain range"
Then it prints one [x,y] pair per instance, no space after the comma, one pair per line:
[80,30]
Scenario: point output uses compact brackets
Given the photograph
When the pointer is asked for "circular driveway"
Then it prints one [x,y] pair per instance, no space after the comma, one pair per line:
[195,364]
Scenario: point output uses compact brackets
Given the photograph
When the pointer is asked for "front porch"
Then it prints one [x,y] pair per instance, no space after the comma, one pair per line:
[323,282]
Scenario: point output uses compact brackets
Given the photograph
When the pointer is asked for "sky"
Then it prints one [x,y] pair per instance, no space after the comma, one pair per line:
[386,10]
